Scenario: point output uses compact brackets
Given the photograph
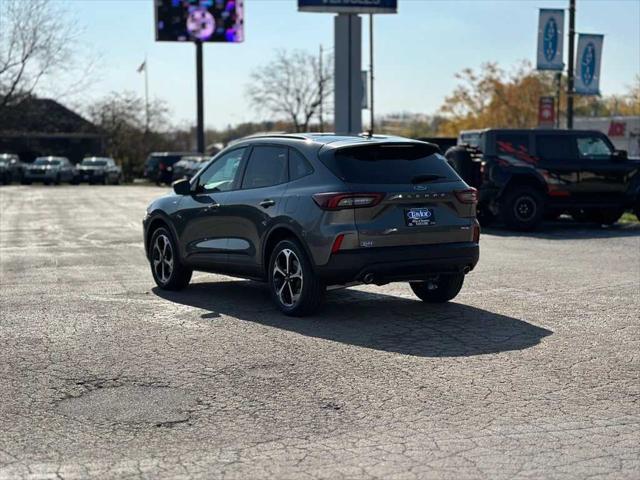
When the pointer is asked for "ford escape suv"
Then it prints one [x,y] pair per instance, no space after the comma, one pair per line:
[305,212]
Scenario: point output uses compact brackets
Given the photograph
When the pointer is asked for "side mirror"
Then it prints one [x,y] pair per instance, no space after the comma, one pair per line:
[620,155]
[181,187]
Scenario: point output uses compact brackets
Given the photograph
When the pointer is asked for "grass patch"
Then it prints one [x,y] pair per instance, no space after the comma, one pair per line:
[628,217]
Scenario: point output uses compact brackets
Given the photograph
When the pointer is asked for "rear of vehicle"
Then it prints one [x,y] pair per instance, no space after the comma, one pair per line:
[414,217]
[158,167]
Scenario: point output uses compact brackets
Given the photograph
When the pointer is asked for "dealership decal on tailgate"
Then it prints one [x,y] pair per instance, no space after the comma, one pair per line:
[416,217]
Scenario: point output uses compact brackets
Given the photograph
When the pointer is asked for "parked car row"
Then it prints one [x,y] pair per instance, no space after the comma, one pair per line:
[166,167]
[56,170]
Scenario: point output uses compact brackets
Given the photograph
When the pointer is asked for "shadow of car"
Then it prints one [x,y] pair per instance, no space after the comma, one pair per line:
[370,320]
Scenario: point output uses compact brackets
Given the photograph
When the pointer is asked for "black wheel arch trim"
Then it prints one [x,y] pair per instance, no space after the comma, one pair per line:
[297,235]
[524,178]
[154,217]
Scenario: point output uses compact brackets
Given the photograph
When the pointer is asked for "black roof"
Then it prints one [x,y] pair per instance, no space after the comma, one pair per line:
[45,116]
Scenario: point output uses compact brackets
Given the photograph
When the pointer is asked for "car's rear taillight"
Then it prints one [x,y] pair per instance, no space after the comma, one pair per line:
[469,195]
[339,201]
[162,166]
[476,233]
[337,243]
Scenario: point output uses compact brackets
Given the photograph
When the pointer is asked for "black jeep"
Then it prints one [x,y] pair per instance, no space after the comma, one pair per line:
[525,176]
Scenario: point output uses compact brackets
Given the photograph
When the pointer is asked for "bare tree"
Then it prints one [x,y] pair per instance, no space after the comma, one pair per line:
[293,86]
[37,40]
[121,116]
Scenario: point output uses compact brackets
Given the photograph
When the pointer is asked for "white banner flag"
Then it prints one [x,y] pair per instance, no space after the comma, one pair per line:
[588,60]
[550,39]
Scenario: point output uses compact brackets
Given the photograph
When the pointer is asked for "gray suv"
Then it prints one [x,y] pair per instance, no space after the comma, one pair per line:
[305,212]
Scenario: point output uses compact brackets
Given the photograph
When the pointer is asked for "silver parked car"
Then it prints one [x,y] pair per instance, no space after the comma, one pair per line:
[98,170]
[49,170]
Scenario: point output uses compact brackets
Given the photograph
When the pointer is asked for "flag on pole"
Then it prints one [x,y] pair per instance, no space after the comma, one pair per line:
[142,67]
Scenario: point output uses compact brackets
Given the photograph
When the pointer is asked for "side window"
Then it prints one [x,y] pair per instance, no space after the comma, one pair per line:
[220,175]
[511,143]
[594,148]
[298,165]
[555,147]
[267,166]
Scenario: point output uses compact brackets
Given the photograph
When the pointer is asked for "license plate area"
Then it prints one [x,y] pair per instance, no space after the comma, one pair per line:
[419,217]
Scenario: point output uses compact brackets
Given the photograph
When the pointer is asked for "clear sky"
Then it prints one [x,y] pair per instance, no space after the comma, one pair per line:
[417,52]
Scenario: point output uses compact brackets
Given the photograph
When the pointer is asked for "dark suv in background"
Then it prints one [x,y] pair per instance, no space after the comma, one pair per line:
[525,176]
[158,167]
[304,212]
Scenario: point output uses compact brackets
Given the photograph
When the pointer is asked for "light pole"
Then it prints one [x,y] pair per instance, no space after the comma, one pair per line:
[572,33]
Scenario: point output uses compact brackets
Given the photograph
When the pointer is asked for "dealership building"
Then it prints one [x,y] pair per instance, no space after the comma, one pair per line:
[40,127]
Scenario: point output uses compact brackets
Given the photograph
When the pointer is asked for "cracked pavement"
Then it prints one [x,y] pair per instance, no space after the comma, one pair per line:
[532,372]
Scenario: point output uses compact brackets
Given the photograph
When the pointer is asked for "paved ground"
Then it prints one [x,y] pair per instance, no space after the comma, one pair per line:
[533,372]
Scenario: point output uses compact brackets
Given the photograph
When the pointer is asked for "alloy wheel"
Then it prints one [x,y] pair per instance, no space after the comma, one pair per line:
[525,208]
[162,258]
[287,277]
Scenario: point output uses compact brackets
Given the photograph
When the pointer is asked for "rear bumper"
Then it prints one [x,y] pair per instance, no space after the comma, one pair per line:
[40,177]
[383,265]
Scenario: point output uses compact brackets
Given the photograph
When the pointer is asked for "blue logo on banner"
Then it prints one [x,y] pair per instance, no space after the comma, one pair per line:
[588,64]
[550,39]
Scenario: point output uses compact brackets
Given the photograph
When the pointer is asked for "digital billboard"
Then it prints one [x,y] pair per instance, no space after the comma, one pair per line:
[348,6]
[199,20]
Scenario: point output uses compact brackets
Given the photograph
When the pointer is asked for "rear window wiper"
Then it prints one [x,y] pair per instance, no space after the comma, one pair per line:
[425,178]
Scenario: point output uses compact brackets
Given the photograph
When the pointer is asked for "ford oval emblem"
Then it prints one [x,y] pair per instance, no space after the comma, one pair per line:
[588,64]
[419,187]
[550,39]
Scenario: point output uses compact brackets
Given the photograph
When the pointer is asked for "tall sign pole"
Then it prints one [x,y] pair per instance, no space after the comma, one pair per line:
[570,79]
[372,126]
[348,76]
[199,21]
[199,98]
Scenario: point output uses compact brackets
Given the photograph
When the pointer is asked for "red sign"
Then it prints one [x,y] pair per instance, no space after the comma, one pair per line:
[616,129]
[547,112]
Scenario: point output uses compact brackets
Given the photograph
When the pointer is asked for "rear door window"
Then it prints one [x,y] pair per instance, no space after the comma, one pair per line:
[556,148]
[267,166]
[389,164]
[592,147]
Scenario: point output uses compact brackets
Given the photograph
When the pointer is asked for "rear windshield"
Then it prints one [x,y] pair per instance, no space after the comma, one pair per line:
[46,161]
[390,164]
[91,161]
[166,159]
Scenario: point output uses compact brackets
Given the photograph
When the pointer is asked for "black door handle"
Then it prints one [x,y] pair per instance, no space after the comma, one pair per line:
[267,203]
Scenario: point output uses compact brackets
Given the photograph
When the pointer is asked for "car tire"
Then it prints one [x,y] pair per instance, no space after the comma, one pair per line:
[168,271]
[294,287]
[445,288]
[522,208]
[25,182]
[485,217]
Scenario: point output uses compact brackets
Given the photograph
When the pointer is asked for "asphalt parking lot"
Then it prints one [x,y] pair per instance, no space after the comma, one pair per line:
[533,372]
